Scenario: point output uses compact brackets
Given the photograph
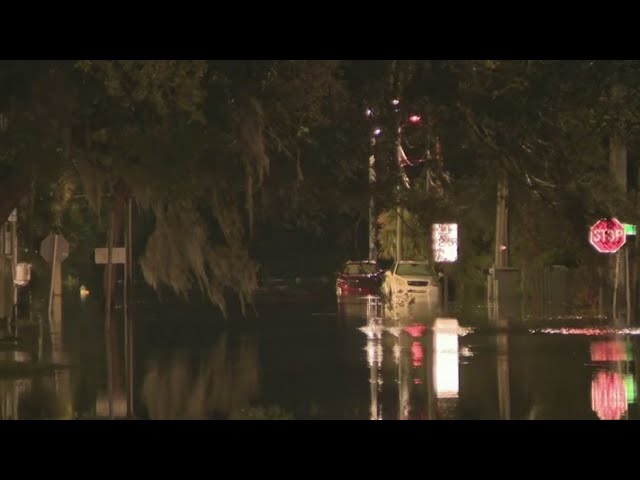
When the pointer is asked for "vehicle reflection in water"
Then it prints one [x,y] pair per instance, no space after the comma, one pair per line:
[424,368]
[612,385]
[373,330]
[364,364]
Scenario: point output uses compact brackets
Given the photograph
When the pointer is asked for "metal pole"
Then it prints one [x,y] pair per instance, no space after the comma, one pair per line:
[628,290]
[399,234]
[51,290]
[126,313]
[616,277]
[446,293]
[372,211]
[129,275]
[14,267]
[107,319]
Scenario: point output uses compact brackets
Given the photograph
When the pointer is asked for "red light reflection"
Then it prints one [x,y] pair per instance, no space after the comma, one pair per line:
[415,330]
[417,354]
[608,395]
[608,351]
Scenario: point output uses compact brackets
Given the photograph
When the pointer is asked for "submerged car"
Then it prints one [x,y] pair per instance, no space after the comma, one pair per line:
[414,280]
[357,279]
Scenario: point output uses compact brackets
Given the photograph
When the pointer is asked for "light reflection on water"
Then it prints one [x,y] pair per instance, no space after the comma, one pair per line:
[507,375]
[306,362]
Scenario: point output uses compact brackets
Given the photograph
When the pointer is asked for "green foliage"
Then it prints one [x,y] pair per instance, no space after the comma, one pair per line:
[260,155]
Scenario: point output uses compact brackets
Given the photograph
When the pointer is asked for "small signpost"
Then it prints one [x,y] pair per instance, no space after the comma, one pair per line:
[607,235]
[444,238]
[58,243]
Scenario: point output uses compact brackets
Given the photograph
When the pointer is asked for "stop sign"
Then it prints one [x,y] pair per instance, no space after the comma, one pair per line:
[607,236]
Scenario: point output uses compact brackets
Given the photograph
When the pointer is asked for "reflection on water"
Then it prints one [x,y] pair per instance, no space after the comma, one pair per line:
[612,387]
[41,397]
[213,384]
[437,369]
[316,361]
[608,395]
[445,368]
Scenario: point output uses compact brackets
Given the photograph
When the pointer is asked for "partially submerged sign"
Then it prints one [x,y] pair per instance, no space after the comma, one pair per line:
[118,255]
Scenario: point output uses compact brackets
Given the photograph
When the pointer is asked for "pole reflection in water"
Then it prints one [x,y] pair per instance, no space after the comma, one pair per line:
[414,386]
[374,359]
[613,386]
[404,374]
[11,392]
[373,330]
[218,383]
[504,385]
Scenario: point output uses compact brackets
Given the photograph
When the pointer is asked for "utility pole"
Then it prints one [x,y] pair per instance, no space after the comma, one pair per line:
[107,315]
[502,218]
[372,209]
[399,211]
[128,282]
[618,169]
[13,220]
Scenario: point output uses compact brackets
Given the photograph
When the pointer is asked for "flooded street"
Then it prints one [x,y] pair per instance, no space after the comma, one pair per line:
[307,358]
[319,239]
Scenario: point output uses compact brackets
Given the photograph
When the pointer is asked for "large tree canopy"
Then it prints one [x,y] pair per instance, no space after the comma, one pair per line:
[232,158]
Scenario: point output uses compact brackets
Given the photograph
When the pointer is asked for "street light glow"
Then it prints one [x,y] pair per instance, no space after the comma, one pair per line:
[415,118]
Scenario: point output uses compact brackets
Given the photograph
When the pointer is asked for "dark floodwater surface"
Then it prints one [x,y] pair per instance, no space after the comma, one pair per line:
[305,358]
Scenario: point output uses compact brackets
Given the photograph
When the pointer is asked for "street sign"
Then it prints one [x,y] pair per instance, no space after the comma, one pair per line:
[445,242]
[46,248]
[607,235]
[630,229]
[117,255]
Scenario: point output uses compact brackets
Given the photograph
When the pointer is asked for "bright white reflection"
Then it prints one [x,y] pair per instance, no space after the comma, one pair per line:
[374,353]
[372,331]
[445,368]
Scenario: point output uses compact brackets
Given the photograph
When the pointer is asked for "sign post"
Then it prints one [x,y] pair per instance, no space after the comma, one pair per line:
[55,249]
[445,250]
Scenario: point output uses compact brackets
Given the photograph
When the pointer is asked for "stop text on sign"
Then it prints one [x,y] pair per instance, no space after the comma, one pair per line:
[607,235]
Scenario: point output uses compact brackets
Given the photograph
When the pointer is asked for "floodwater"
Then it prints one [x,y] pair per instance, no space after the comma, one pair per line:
[304,357]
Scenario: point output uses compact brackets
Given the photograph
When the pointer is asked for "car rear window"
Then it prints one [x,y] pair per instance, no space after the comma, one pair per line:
[422,269]
[360,268]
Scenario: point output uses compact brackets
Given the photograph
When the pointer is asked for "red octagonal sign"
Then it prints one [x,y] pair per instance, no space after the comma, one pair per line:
[607,236]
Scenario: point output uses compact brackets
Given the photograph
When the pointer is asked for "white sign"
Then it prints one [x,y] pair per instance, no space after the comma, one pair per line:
[445,363]
[117,255]
[445,242]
